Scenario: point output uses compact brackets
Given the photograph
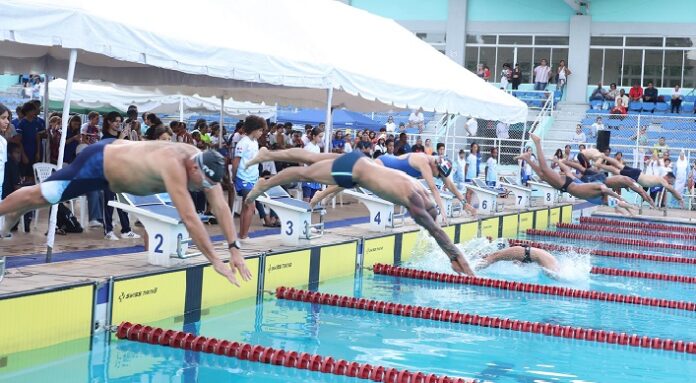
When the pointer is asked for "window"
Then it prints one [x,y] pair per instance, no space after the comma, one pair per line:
[652,68]
[487,57]
[673,68]
[480,39]
[471,57]
[558,54]
[643,41]
[632,64]
[518,40]
[612,66]
[606,40]
[595,73]
[680,42]
[551,40]
[524,58]
[690,68]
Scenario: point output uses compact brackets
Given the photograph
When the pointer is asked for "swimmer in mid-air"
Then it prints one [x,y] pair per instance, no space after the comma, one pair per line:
[351,169]
[523,254]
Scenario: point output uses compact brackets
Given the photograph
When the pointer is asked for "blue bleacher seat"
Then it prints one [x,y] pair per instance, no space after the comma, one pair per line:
[648,106]
[690,98]
[661,107]
[587,121]
[687,108]
[635,106]
[596,104]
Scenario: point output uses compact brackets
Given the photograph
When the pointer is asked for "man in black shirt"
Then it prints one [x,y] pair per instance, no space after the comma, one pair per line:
[650,93]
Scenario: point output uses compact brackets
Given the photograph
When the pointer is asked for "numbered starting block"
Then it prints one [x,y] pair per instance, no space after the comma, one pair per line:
[486,196]
[295,216]
[522,195]
[548,193]
[382,212]
[452,209]
[169,239]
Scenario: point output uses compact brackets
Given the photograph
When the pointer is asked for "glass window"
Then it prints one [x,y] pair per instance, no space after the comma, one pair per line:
[680,42]
[632,64]
[673,68]
[690,69]
[539,54]
[471,39]
[558,54]
[505,56]
[652,69]
[644,41]
[606,40]
[471,58]
[524,58]
[551,40]
[487,57]
[519,40]
[612,66]
[480,39]
[595,71]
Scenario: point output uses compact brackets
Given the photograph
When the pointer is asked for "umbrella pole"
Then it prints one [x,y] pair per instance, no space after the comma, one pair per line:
[222,119]
[329,122]
[47,148]
[181,108]
[61,150]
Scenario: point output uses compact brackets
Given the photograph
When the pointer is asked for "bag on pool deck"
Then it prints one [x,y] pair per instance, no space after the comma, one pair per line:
[67,221]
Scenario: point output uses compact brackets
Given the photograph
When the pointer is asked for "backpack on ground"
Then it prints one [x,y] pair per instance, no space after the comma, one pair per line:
[67,221]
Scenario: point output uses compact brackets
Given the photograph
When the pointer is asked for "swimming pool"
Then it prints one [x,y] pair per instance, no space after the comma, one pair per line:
[453,349]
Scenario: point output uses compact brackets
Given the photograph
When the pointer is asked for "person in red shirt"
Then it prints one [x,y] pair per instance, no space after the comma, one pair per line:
[619,108]
[636,92]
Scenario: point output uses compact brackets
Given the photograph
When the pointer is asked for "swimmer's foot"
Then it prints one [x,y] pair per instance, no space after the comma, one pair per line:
[256,191]
[261,156]
[535,138]
[527,156]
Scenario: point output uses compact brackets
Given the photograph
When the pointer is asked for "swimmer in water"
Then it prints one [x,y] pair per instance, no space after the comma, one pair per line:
[523,254]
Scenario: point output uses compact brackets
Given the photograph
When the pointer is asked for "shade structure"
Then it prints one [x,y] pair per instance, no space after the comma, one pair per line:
[257,50]
[341,119]
[95,96]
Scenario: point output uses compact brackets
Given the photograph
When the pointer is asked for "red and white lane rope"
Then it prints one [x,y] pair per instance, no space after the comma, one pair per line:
[531,287]
[278,357]
[622,230]
[612,240]
[605,253]
[642,274]
[444,315]
[638,225]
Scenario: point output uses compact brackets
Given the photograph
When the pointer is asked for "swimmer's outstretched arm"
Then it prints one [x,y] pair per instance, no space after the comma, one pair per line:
[513,253]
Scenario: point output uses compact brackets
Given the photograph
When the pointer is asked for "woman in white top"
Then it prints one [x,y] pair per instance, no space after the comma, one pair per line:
[676,100]
[492,168]
[390,125]
[681,172]
[526,169]
[471,170]
[315,136]
[563,72]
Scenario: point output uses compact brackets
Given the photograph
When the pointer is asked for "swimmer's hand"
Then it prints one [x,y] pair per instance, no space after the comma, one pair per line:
[237,262]
[482,264]
[461,266]
[226,271]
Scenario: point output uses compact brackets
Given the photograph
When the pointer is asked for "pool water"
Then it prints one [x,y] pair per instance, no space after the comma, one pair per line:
[491,355]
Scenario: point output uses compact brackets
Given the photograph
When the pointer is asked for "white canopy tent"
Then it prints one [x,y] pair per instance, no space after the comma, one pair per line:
[315,52]
[100,96]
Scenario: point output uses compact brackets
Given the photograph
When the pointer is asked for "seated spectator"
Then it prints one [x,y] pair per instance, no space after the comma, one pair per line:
[372,136]
[428,148]
[613,92]
[650,94]
[579,135]
[402,146]
[418,147]
[348,144]
[390,147]
[597,126]
[622,96]
[402,127]
[636,92]
[380,148]
[486,73]
[417,120]
[661,148]
[599,93]
[619,109]
[441,149]
[676,100]
[365,145]
[338,144]
[390,126]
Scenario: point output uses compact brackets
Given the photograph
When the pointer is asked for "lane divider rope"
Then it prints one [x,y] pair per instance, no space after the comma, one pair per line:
[605,253]
[279,357]
[641,225]
[642,274]
[612,240]
[397,271]
[621,230]
[443,315]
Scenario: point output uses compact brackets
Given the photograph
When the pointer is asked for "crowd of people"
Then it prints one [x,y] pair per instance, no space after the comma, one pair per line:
[543,75]
[617,101]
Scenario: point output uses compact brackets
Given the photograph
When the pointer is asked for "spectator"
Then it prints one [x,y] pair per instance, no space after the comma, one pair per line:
[661,148]
[619,109]
[681,169]
[479,70]
[566,152]
[372,136]
[402,147]
[73,138]
[641,150]
[562,72]
[613,92]
[390,125]
[486,73]
[54,133]
[579,135]
[338,144]
[29,129]
[650,94]
[471,169]
[676,99]
[380,147]
[402,127]
[162,133]
[428,148]
[181,134]
[310,188]
[441,150]
[558,155]
[5,118]
[390,147]
[492,168]
[636,92]
[12,176]
[418,146]
[541,75]
[471,127]
[597,126]
[307,132]
[417,120]
[502,130]
[348,145]
[621,97]
[516,78]
[599,93]
[505,76]
[525,168]
[365,145]
[132,120]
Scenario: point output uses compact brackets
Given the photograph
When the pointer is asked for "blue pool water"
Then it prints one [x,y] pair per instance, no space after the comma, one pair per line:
[491,355]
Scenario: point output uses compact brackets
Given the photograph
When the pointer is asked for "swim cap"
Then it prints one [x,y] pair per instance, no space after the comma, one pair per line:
[444,166]
[212,164]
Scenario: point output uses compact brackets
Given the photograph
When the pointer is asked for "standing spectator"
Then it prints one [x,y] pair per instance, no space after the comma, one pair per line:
[428,147]
[479,70]
[681,169]
[597,126]
[90,129]
[132,120]
[621,97]
[416,120]
[541,75]
[516,77]
[402,147]
[619,109]
[365,145]
[650,94]
[29,129]
[641,139]
[19,117]
[459,165]
[390,125]
[526,169]
[380,147]
[418,146]
[390,147]
[310,188]
[471,169]
[181,134]
[492,168]
[558,155]
[307,132]
[73,138]
[562,72]
[486,73]
[348,145]
[505,76]
[245,178]
[566,152]
[579,135]
[441,150]
[4,153]
[676,99]
[112,128]
[613,93]
[338,144]
[372,136]
[54,133]
[661,147]
[599,93]
[636,92]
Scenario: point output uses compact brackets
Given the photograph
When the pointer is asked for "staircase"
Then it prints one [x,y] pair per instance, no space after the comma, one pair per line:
[566,118]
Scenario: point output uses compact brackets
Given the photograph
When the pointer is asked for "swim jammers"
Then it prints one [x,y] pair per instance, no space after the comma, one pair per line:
[630,172]
[83,175]
[567,183]
[342,169]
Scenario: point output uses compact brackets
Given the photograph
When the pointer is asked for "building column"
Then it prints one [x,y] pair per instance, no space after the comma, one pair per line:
[578,59]
[456,30]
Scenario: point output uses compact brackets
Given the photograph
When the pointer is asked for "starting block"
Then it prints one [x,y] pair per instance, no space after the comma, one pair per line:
[382,212]
[522,195]
[169,239]
[487,197]
[295,216]
[548,193]
[448,200]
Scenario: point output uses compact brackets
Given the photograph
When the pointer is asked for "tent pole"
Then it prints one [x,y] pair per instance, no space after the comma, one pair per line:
[222,119]
[47,151]
[329,122]
[61,150]
[181,108]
